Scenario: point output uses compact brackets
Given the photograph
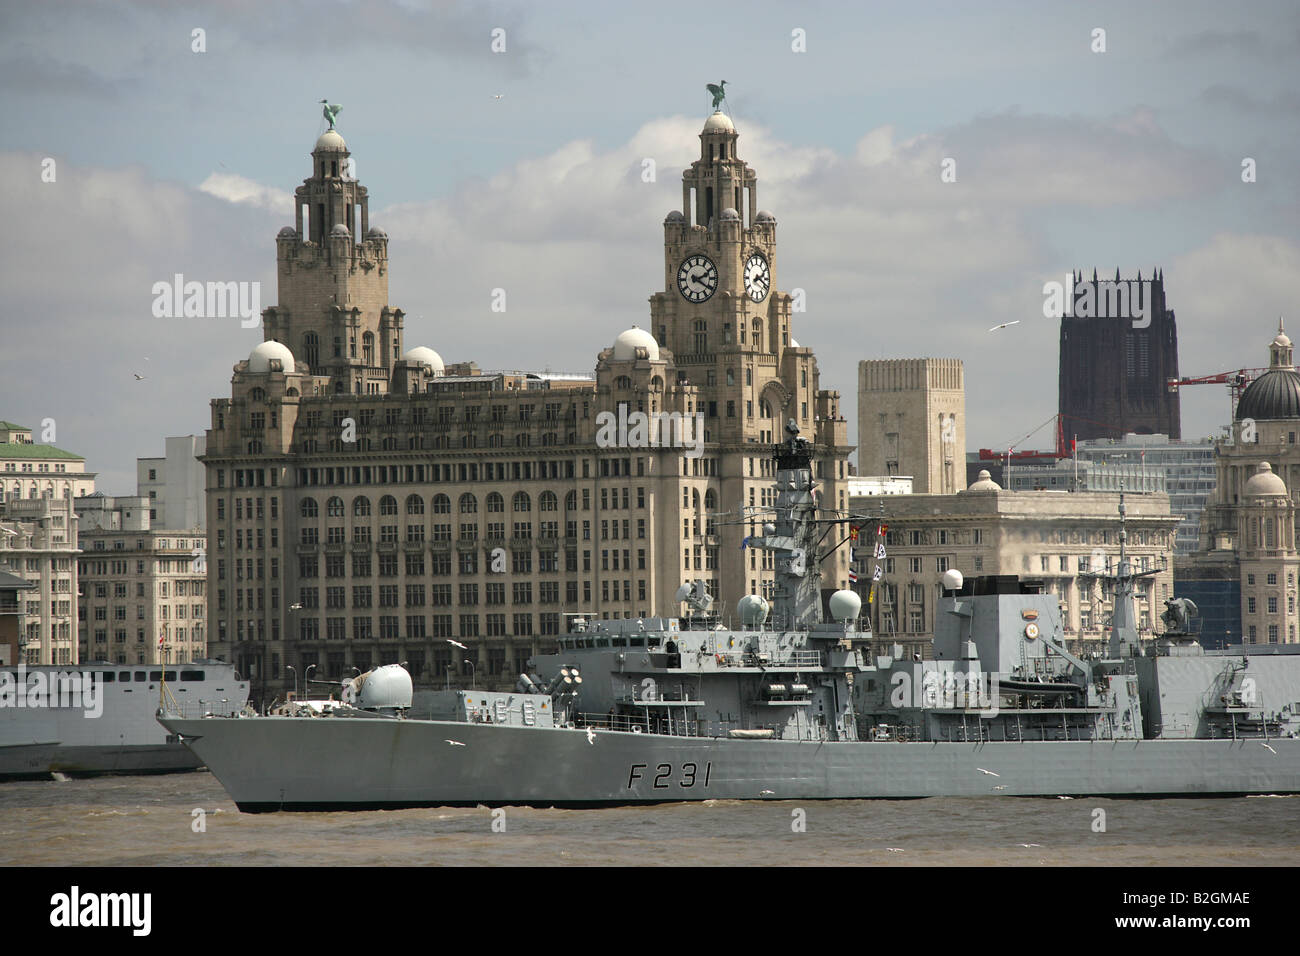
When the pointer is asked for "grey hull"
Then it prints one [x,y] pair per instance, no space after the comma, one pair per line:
[39,761]
[286,763]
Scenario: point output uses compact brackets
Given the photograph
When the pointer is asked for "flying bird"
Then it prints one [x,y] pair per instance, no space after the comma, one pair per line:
[454,743]
[767,793]
[591,735]
[1004,325]
[1027,845]
[497,96]
[1001,786]
[457,644]
[1065,798]
[138,376]
[894,849]
[1268,748]
[988,772]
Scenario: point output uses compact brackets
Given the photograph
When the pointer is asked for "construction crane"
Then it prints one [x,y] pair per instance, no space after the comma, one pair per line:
[1236,380]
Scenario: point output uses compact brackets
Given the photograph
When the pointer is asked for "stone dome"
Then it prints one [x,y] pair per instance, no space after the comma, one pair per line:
[719,122]
[764,215]
[259,360]
[340,230]
[730,213]
[330,141]
[288,232]
[1264,483]
[674,216]
[422,355]
[628,342]
[984,482]
[374,232]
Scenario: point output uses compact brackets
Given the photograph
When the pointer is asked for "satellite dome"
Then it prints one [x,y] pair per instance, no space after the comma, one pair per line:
[259,360]
[628,342]
[423,355]
[984,482]
[752,610]
[330,140]
[845,605]
[374,232]
[719,122]
[730,213]
[952,579]
[288,232]
[340,230]
[387,686]
[1264,483]
[674,216]
[764,216]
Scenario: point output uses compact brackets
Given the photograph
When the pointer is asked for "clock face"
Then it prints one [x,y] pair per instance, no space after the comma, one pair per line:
[758,277]
[697,278]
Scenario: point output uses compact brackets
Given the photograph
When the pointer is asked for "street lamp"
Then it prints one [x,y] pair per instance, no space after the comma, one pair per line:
[472,679]
[306,682]
[290,667]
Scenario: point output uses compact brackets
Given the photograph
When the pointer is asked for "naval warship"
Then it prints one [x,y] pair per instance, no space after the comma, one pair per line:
[792,706]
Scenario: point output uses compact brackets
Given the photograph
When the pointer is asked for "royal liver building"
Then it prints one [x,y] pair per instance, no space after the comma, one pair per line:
[371,503]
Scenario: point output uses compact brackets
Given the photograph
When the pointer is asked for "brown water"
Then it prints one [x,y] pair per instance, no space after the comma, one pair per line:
[146,821]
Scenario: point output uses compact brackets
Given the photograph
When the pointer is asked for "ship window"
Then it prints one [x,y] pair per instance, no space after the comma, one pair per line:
[192,675]
[139,676]
[637,642]
[124,676]
[158,675]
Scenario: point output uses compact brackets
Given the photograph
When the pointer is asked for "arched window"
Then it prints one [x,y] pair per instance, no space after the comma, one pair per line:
[414,505]
[361,507]
[308,508]
[523,440]
[468,504]
[495,502]
[521,501]
[468,441]
[571,501]
[368,348]
[257,395]
[550,438]
[388,505]
[548,502]
[441,505]
[334,507]
[623,381]
[495,441]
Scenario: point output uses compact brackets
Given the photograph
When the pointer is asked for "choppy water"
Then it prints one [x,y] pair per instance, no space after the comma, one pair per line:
[146,821]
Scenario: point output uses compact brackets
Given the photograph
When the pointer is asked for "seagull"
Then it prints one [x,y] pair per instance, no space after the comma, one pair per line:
[456,644]
[591,735]
[497,96]
[138,376]
[1027,845]
[1004,325]
[1268,748]
[894,849]
[767,793]
[988,772]
[1001,786]
[1065,798]
[454,743]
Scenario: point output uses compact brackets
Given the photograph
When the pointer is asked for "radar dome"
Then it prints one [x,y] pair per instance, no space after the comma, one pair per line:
[628,342]
[422,355]
[952,580]
[259,360]
[845,605]
[752,609]
[387,686]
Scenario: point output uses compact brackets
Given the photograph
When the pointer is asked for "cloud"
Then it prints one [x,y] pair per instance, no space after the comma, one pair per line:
[238,189]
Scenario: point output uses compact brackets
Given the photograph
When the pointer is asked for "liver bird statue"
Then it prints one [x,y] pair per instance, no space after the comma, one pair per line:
[331,111]
[719,92]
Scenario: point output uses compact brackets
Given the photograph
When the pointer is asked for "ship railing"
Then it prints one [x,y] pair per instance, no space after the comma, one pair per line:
[192,709]
[804,658]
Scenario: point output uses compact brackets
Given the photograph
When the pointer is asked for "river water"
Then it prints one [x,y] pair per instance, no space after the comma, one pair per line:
[149,821]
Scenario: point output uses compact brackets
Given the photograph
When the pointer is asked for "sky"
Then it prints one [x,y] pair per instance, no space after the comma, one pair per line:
[503,146]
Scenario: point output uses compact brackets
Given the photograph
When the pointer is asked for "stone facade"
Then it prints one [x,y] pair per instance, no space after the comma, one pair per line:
[912,421]
[371,507]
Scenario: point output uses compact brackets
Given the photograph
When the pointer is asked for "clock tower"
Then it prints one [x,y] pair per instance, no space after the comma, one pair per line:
[728,329]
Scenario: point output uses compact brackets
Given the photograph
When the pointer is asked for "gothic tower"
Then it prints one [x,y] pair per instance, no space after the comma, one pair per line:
[332,310]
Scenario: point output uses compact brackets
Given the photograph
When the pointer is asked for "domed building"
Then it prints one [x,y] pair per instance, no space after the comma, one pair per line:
[378,473]
[1248,530]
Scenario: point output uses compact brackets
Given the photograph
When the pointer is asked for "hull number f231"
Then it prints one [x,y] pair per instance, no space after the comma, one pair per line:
[691,774]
